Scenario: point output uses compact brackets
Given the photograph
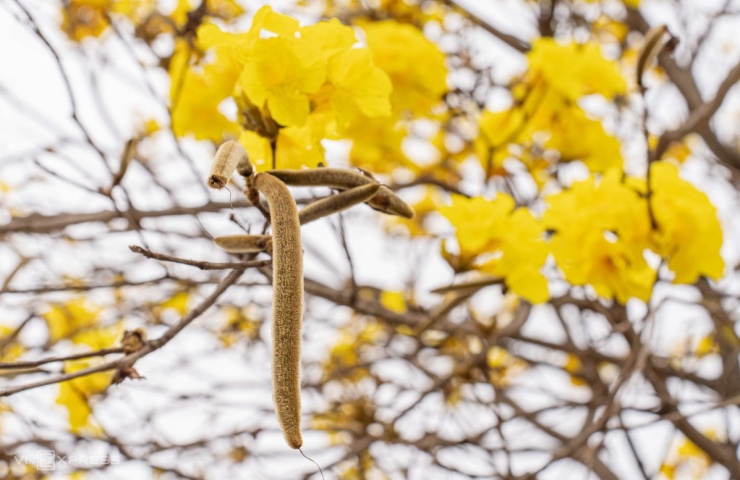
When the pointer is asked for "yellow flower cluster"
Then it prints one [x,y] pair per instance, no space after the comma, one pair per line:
[546,115]
[294,86]
[601,229]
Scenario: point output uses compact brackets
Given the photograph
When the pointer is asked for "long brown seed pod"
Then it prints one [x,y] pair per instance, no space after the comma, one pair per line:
[287,305]
[653,43]
[385,200]
[244,243]
[229,156]
[337,203]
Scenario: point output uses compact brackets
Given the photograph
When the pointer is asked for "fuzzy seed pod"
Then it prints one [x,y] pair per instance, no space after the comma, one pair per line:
[653,43]
[244,243]
[385,200]
[287,305]
[229,156]
[337,203]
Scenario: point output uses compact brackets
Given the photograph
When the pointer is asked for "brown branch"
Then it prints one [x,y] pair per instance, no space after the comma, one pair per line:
[686,84]
[700,116]
[722,454]
[83,288]
[37,223]
[197,263]
[75,356]
[510,40]
[148,348]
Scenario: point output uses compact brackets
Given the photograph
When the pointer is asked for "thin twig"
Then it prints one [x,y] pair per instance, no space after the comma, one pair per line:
[63,358]
[197,263]
[148,348]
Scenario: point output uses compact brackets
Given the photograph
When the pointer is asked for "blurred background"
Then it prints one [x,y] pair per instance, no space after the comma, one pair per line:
[562,305]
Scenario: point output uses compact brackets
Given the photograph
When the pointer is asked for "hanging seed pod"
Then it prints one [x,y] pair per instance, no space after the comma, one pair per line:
[230,156]
[287,306]
[655,40]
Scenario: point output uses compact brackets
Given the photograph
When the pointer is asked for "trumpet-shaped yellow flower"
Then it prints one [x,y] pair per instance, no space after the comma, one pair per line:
[280,73]
[497,130]
[89,18]
[601,231]
[330,38]
[295,148]
[476,221]
[260,152]
[521,255]
[575,70]
[415,65]
[501,241]
[577,137]
[376,144]
[688,232]
[196,97]
[359,86]
[67,319]
[301,70]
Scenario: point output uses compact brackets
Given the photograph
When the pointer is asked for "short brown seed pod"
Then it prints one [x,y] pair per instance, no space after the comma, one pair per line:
[385,200]
[244,243]
[287,307]
[230,156]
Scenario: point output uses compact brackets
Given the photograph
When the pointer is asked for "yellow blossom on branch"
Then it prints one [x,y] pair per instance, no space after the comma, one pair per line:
[359,86]
[279,74]
[497,239]
[415,65]
[575,70]
[688,231]
[600,233]
[75,395]
[196,96]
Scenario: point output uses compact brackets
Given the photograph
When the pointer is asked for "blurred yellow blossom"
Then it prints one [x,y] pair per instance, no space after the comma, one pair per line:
[415,65]
[688,231]
[601,230]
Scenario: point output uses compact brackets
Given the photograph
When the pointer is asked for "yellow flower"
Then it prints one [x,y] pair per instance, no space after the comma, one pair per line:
[475,221]
[415,65]
[196,96]
[496,131]
[85,18]
[521,256]
[394,301]
[260,152]
[688,232]
[600,233]
[577,137]
[295,148]
[376,144]
[74,395]
[280,73]
[276,73]
[574,69]
[330,38]
[503,242]
[67,319]
[359,86]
